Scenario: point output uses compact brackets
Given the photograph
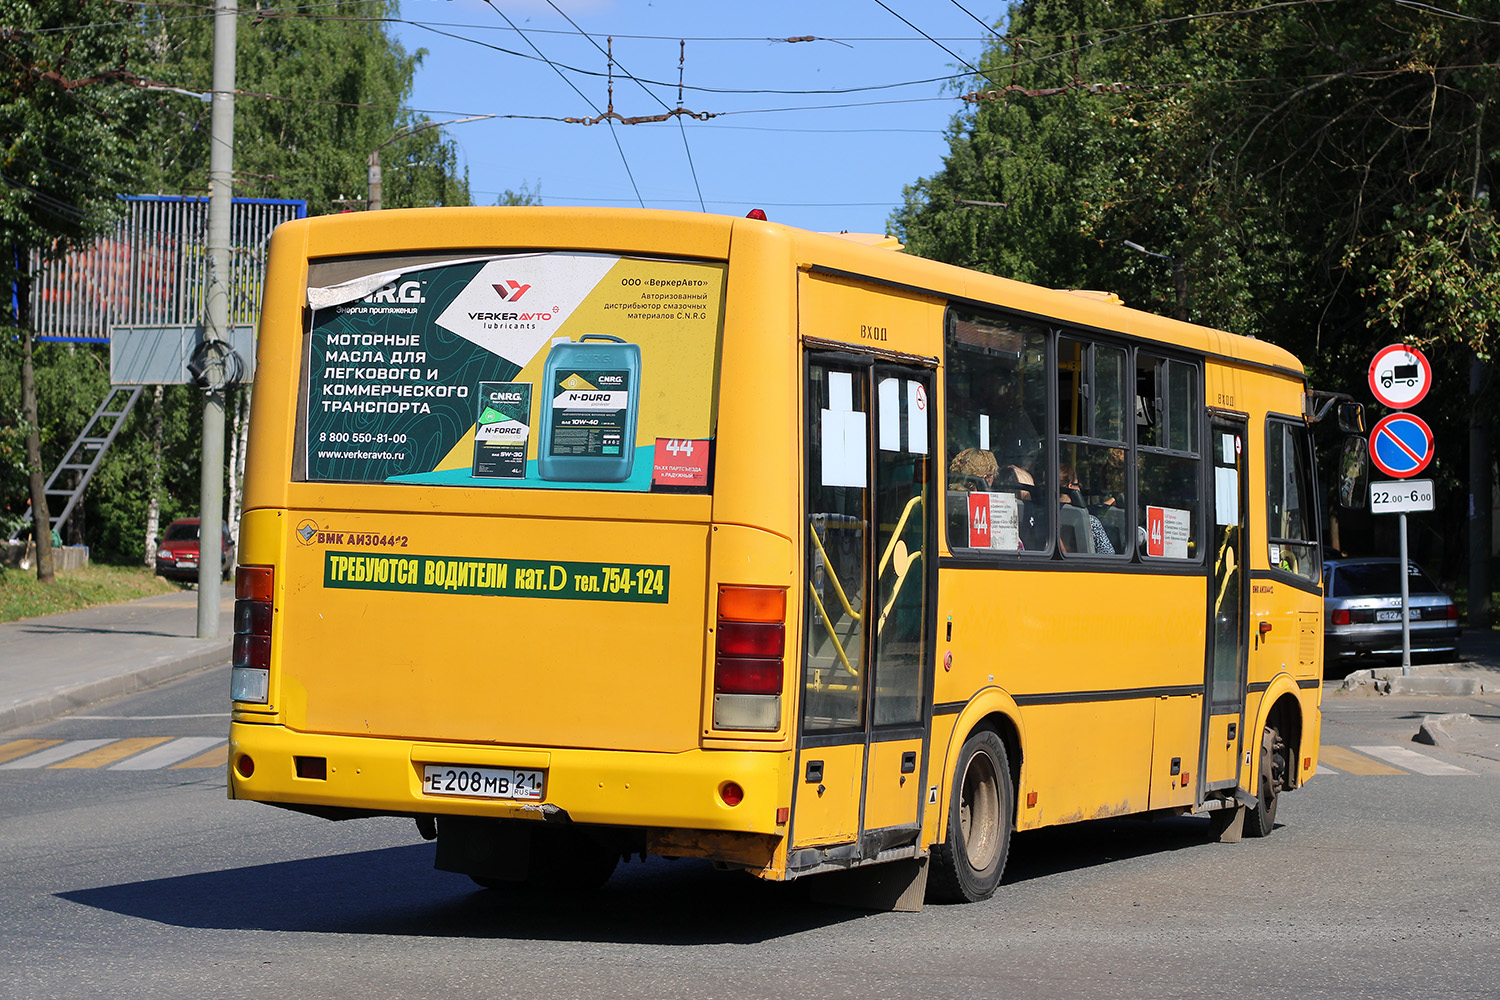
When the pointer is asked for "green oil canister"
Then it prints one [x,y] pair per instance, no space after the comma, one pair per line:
[590,402]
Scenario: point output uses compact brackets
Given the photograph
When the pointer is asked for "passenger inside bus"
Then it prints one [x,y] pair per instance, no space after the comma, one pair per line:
[1078,530]
[1030,534]
[972,470]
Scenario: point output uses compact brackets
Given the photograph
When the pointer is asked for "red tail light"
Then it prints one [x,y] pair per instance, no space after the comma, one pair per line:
[746,675]
[250,675]
[1340,616]
[1453,612]
[751,639]
[749,670]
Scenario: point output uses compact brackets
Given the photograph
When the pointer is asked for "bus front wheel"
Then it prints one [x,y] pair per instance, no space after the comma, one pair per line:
[967,865]
[1261,819]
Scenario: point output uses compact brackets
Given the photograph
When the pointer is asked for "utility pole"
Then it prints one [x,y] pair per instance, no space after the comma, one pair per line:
[216,298]
[373,181]
[1179,278]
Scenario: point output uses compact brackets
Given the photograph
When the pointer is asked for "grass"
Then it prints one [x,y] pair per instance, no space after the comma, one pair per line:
[21,596]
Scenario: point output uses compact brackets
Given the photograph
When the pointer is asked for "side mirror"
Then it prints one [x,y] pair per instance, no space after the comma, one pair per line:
[1351,418]
[1354,472]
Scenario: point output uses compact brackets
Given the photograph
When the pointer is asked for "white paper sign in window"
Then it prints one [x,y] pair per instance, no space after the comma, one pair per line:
[844,437]
[889,408]
[916,418]
[1226,496]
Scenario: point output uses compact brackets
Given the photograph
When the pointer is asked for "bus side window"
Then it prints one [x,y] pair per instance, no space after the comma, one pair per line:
[1092,393]
[1291,527]
[996,389]
[1169,509]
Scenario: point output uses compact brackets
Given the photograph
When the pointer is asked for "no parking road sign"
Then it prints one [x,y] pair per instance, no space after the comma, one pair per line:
[1401,445]
[1400,376]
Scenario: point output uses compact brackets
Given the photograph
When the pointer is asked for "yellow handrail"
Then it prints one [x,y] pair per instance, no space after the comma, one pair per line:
[832,576]
[823,613]
[896,532]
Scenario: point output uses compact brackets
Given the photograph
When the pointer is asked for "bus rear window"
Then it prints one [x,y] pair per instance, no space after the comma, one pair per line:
[541,370]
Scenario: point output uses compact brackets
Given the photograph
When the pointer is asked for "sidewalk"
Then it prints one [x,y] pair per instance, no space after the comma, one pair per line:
[1476,672]
[57,663]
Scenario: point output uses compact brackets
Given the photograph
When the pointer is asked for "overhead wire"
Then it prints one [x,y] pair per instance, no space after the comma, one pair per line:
[615,62]
[564,77]
[988,28]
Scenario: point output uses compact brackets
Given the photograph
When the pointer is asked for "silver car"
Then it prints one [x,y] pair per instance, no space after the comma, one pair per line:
[1362,610]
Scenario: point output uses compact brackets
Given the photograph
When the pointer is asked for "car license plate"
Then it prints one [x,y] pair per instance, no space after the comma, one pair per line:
[481,782]
[1388,616]
[187,564]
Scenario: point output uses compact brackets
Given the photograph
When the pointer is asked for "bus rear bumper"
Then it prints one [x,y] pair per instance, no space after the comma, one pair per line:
[616,788]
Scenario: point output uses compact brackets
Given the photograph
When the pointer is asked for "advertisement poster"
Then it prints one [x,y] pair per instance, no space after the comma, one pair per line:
[545,370]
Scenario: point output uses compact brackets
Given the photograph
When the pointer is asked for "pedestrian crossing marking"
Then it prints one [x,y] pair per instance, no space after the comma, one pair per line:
[1419,762]
[217,757]
[135,753]
[170,753]
[53,754]
[111,752]
[1354,763]
[20,748]
[149,753]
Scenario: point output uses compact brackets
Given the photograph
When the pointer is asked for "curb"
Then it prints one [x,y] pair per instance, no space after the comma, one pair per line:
[50,706]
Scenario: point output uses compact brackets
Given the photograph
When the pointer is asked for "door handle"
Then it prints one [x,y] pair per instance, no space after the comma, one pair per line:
[908,762]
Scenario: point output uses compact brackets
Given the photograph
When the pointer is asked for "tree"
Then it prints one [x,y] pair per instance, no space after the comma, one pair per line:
[319,89]
[70,117]
[1318,172]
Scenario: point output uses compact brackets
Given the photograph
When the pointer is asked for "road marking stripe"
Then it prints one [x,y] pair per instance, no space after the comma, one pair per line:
[112,752]
[1353,763]
[217,757]
[1419,762]
[52,755]
[169,753]
[1324,769]
[20,748]
[150,718]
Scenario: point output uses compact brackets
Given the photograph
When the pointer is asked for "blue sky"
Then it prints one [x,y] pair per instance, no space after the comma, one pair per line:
[839,164]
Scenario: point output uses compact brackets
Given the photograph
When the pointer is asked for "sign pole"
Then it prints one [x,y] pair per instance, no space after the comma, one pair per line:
[1405,605]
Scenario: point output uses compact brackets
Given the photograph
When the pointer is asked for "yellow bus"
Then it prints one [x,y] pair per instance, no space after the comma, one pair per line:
[583,534]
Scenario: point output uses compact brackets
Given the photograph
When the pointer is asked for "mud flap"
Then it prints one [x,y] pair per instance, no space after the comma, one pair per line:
[895,886]
[1234,830]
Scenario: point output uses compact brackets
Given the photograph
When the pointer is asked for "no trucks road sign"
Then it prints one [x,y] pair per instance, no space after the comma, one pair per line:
[1401,445]
[1400,376]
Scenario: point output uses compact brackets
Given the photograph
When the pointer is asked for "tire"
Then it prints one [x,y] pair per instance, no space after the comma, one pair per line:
[570,861]
[967,865]
[1261,819]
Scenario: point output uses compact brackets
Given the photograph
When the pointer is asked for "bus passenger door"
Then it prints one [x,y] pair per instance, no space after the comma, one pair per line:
[866,700]
[1228,622]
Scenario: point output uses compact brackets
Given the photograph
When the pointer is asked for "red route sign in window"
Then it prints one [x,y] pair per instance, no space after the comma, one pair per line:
[979,520]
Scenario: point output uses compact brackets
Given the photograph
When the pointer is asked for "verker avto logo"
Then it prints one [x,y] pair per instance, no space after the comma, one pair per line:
[516,290]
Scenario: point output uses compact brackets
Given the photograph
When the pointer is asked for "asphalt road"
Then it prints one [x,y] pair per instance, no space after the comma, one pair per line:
[1382,881]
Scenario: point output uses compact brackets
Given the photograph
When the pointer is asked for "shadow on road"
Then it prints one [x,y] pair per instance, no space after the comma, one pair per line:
[396,891]
[1040,853]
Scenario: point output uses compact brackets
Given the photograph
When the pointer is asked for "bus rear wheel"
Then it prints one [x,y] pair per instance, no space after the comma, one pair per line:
[967,865]
[1261,819]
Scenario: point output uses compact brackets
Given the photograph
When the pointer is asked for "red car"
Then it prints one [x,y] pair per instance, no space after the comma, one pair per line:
[177,551]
